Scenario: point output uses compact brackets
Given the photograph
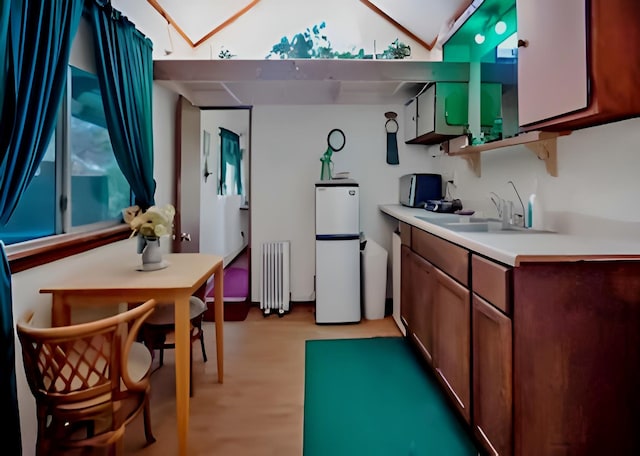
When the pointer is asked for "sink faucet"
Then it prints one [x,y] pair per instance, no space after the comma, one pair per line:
[497,202]
[504,208]
[518,218]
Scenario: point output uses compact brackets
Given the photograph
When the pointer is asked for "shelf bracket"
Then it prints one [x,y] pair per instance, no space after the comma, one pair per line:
[473,160]
[547,151]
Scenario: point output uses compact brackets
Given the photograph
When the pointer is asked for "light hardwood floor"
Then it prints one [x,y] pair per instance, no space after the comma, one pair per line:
[259,408]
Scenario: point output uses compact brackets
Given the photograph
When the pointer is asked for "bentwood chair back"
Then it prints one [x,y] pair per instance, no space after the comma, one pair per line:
[89,380]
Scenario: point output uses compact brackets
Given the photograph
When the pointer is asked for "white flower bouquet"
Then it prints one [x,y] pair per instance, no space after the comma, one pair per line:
[154,222]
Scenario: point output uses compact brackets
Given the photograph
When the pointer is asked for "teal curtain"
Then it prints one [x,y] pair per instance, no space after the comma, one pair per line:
[4,66]
[125,73]
[230,154]
[38,37]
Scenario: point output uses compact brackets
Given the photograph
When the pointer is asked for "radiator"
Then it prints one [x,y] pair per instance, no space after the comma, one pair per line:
[274,279]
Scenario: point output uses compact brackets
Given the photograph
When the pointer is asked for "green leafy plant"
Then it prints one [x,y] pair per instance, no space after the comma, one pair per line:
[225,54]
[396,50]
[313,44]
[309,44]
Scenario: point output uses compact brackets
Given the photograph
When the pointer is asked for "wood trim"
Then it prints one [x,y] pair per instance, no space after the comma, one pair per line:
[171,21]
[177,172]
[62,246]
[229,21]
[428,46]
[396,24]
[174,24]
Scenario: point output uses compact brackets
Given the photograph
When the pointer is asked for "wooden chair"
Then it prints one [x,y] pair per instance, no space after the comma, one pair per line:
[89,380]
[161,323]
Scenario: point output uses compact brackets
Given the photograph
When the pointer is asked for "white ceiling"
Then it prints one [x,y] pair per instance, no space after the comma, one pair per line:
[233,82]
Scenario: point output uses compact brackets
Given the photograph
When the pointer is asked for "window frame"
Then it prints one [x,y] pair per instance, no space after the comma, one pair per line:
[36,252]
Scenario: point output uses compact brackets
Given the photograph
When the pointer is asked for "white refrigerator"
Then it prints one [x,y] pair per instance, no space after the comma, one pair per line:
[337,251]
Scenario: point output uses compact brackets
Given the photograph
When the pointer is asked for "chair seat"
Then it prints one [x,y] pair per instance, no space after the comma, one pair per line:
[165,314]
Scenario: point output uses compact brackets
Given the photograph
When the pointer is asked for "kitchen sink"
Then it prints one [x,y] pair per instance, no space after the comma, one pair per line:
[470,224]
[490,226]
[439,218]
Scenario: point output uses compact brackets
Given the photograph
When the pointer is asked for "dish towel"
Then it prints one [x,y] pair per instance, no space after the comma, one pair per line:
[392,149]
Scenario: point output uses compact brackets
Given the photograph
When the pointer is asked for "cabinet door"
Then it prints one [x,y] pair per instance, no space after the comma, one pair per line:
[416,308]
[410,119]
[422,318]
[492,378]
[451,338]
[406,288]
[552,68]
[426,115]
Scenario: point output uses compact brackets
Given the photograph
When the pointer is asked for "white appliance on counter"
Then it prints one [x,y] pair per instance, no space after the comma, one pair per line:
[337,251]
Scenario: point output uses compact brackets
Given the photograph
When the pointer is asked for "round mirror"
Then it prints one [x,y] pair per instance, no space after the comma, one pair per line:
[336,139]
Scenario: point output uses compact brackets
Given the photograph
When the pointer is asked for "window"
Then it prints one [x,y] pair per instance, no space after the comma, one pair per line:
[230,170]
[78,185]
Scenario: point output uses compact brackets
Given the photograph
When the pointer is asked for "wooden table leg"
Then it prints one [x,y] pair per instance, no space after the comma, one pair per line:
[218,308]
[183,344]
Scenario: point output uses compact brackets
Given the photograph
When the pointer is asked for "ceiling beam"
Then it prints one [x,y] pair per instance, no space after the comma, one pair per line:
[403,29]
[156,5]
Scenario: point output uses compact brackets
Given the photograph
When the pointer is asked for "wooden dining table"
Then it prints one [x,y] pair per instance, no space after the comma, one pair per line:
[113,282]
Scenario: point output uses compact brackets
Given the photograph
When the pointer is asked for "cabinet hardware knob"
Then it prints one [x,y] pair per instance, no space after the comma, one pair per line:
[523,43]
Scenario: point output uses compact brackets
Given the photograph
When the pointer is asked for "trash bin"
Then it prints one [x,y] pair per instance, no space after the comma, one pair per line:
[374,279]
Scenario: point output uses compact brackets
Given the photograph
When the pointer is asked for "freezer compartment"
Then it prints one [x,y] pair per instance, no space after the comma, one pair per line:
[337,210]
[338,281]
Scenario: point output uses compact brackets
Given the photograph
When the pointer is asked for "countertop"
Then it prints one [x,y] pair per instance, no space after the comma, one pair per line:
[521,247]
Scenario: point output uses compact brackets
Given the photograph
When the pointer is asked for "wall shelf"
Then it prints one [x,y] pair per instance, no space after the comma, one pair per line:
[541,143]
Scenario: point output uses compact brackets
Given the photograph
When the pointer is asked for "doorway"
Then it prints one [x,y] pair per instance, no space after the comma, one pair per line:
[213,187]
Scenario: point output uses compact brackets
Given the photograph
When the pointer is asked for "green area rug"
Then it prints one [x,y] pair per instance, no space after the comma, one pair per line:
[372,397]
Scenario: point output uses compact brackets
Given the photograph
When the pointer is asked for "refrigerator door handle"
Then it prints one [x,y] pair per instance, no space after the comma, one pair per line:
[337,237]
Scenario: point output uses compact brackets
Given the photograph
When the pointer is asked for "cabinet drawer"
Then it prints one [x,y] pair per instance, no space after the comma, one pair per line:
[492,281]
[452,259]
[405,233]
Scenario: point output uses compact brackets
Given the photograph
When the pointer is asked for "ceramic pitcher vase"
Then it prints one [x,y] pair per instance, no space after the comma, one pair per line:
[151,252]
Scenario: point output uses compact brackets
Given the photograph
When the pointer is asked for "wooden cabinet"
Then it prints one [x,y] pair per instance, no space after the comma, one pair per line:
[407,288]
[419,315]
[492,378]
[439,316]
[492,367]
[577,64]
[451,328]
[539,359]
[576,347]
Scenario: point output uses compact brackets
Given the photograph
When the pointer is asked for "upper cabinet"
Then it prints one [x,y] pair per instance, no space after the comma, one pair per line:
[441,111]
[578,62]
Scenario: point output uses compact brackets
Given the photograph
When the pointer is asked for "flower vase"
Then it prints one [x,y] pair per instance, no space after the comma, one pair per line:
[151,252]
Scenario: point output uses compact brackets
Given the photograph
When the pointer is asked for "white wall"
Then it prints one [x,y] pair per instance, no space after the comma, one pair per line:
[597,178]
[223,225]
[286,148]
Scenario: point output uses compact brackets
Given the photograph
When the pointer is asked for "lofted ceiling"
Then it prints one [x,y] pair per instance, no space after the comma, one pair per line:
[235,82]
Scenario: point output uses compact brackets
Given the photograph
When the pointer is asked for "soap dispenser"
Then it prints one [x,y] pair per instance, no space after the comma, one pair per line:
[535,212]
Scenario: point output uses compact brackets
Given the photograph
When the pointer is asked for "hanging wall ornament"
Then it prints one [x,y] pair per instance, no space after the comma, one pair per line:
[391,126]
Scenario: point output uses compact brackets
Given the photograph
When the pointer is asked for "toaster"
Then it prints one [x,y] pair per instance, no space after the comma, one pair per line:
[417,189]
